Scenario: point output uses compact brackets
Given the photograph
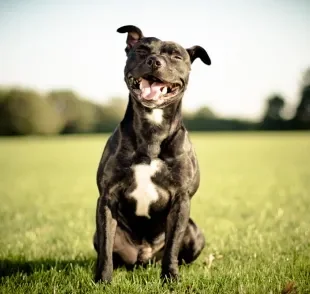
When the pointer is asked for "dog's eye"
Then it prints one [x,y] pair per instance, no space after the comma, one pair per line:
[141,52]
[177,57]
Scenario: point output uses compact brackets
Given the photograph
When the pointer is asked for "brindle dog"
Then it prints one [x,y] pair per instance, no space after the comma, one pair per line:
[149,172]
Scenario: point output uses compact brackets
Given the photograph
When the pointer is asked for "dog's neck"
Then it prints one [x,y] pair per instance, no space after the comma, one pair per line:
[149,128]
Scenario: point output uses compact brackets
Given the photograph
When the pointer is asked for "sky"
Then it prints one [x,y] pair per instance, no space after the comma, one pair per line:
[257,47]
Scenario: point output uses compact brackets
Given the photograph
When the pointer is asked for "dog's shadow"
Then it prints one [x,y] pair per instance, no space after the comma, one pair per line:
[12,267]
[15,266]
[21,267]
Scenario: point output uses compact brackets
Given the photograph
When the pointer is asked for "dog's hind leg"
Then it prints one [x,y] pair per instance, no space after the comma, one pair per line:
[193,243]
[125,252]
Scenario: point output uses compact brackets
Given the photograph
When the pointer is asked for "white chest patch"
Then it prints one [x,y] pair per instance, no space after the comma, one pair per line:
[156,116]
[145,192]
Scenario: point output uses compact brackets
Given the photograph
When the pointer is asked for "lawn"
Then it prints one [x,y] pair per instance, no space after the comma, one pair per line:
[253,206]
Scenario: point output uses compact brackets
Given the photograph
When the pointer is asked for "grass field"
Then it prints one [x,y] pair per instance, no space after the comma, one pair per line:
[253,205]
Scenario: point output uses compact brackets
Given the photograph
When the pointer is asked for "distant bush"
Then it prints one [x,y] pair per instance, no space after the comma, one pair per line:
[218,124]
[77,115]
[25,112]
[110,114]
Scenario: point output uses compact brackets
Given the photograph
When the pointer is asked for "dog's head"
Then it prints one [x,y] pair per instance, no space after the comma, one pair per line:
[157,72]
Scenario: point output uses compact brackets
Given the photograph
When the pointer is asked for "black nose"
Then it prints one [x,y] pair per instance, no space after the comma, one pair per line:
[153,62]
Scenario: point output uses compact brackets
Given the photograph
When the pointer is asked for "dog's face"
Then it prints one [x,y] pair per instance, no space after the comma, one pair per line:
[157,72]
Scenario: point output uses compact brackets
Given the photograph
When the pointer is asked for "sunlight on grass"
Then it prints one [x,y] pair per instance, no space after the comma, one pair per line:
[253,205]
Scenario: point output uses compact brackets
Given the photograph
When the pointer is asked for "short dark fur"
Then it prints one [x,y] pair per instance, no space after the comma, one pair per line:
[168,234]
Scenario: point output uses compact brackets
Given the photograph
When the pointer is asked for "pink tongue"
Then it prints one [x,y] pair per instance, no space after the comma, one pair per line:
[150,92]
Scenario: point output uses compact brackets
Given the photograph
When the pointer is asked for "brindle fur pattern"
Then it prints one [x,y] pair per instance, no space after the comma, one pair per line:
[160,146]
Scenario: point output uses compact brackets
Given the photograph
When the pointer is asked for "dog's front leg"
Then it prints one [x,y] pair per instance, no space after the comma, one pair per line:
[176,225]
[105,226]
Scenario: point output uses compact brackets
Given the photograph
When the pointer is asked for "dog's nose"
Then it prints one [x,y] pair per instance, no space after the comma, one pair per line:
[153,62]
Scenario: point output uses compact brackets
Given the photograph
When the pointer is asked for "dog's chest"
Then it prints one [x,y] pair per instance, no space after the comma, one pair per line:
[145,192]
[155,116]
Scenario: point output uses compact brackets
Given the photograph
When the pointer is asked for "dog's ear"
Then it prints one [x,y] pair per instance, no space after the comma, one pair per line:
[198,52]
[134,35]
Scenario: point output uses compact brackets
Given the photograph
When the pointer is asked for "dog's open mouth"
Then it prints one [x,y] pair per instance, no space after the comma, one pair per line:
[151,88]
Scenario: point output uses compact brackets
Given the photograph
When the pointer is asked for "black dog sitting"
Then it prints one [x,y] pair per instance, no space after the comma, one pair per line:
[149,172]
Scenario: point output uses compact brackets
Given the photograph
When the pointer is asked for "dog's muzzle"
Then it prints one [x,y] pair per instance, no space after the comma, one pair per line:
[151,88]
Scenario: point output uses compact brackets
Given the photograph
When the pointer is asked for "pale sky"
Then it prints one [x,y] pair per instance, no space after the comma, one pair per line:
[257,47]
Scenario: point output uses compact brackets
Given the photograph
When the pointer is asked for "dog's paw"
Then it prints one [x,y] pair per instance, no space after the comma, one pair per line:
[103,277]
[144,255]
[170,274]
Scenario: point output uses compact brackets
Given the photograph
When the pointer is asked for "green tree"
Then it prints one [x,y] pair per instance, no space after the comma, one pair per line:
[78,115]
[272,119]
[204,112]
[301,119]
[109,115]
[25,112]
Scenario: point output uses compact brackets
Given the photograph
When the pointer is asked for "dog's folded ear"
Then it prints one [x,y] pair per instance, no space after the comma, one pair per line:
[199,52]
[134,35]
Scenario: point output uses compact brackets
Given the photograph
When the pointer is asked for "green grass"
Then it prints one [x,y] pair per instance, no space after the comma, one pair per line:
[253,205]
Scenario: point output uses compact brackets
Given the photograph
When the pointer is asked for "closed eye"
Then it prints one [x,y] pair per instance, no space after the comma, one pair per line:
[177,57]
[141,52]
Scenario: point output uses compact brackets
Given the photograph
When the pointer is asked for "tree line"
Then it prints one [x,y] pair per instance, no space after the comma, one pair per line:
[275,105]
[28,112]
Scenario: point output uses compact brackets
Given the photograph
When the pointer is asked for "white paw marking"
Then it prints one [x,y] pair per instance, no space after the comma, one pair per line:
[156,116]
[145,192]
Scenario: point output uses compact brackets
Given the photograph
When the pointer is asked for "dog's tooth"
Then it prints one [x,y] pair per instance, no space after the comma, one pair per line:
[164,91]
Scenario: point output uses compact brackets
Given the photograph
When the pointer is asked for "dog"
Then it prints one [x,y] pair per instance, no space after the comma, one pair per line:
[148,172]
